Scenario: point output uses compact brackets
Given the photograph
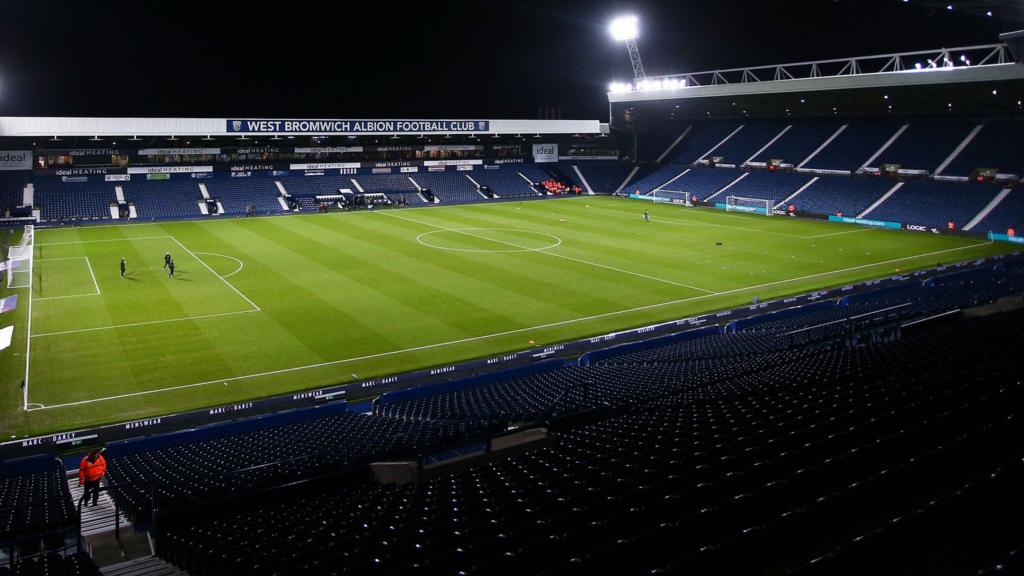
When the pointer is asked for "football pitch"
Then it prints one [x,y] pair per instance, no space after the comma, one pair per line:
[264,306]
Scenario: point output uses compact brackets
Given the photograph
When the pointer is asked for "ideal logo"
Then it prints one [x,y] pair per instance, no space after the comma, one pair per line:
[13,156]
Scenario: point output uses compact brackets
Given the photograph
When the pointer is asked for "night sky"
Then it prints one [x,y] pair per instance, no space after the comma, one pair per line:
[381,59]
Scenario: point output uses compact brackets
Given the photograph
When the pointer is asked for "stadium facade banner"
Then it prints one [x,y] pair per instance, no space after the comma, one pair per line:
[82,171]
[1006,238]
[178,151]
[15,160]
[327,149]
[455,162]
[325,126]
[866,222]
[325,165]
[543,153]
[169,169]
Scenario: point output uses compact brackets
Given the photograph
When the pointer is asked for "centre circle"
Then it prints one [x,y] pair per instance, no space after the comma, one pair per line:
[514,242]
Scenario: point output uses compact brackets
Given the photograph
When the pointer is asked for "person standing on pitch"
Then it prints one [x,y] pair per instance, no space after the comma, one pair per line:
[171,264]
[647,217]
[124,265]
[90,472]
[167,259]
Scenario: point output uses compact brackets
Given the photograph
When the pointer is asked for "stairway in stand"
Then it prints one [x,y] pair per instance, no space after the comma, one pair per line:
[95,519]
[148,566]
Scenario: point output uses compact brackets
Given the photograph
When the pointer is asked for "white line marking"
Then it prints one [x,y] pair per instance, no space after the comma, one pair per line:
[93,276]
[558,241]
[76,331]
[857,231]
[221,278]
[687,222]
[68,296]
[543,251]
[105,240]
[28,340]
[94,283]
[494,335]
[237,270]
[63,258]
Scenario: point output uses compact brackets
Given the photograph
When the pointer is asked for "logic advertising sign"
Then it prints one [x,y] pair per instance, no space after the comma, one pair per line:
[15,159]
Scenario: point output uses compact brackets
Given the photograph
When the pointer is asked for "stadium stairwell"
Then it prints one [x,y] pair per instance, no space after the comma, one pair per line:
[722,141]
[960,148]
[528,182]
[28,194]
[629,177]
[768,144]
[477,184]
[885,146]
[674,143]
[674,178]
[799,190]
[204,191]
[583,179]
[281,188]
[119,192]
[729,185]
[878,202]
[985,211]
[357,185]
[823,145]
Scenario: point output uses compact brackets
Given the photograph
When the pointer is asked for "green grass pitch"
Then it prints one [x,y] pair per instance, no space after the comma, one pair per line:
[264,306]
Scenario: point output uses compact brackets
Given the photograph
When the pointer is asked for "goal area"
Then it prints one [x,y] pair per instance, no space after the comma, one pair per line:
[673,196]
[748,205]
[19,260]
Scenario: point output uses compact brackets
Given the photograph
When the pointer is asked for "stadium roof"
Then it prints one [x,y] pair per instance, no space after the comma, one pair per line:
[23,126]
[941,66]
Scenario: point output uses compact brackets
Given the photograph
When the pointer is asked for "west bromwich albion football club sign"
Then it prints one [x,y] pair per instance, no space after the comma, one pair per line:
[357,126]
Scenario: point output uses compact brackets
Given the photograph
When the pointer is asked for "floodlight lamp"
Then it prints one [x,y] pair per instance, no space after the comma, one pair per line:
[624,28]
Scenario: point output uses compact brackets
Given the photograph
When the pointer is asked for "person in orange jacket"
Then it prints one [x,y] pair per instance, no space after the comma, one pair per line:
[90,472]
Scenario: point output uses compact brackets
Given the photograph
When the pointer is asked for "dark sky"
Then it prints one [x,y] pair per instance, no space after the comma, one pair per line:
[388,59]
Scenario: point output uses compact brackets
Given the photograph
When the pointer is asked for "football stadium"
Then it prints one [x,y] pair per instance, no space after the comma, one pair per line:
[734,316]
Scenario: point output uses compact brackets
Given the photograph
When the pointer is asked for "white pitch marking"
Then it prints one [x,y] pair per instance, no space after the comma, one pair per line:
[496,334]
[106,240]
[78,330]
[237,270]
[558,241]
[221,278]
[543,251]
[93,275]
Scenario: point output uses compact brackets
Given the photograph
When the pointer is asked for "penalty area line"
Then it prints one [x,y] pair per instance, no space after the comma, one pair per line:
[489,336]
[133,324]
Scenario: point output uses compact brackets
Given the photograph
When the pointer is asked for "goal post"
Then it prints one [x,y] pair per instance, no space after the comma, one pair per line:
[748,205]
[673,196]
[19,260]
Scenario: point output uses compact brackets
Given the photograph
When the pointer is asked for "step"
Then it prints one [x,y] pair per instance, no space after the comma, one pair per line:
[987,209]
[878,202]
[97,519]
[148,566]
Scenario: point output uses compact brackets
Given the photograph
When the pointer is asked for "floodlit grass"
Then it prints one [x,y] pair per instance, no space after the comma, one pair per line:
[270,305]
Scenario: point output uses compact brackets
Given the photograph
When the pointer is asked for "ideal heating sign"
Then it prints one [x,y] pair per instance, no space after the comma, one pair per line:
[15,159]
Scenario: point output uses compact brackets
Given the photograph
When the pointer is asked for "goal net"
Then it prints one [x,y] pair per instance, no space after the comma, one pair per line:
[673,196]
[19,260]
[750,205]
